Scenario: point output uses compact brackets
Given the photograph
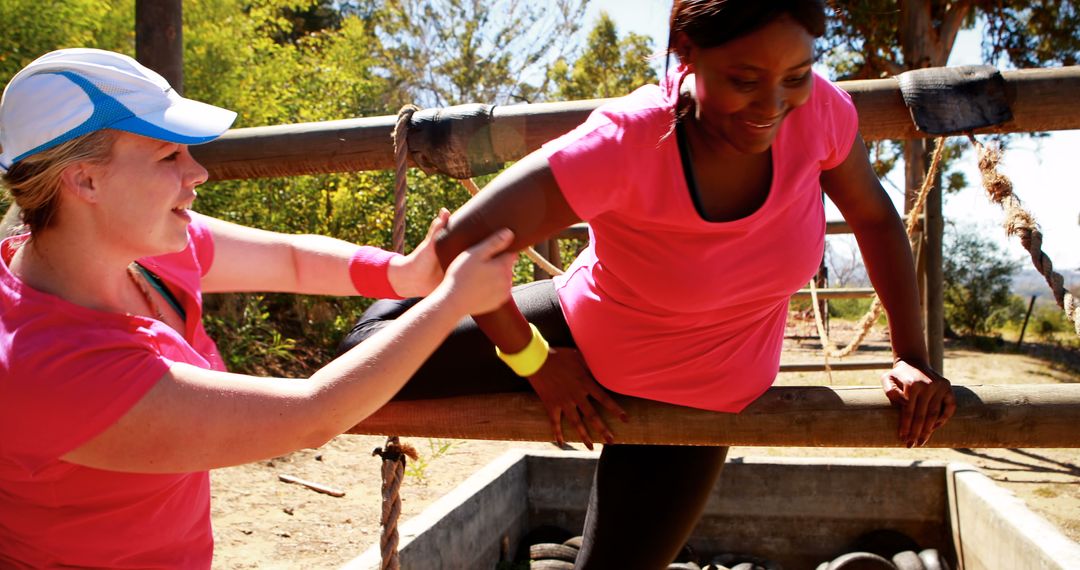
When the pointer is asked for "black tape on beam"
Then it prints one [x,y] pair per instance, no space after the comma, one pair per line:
[455,141]
[951,100]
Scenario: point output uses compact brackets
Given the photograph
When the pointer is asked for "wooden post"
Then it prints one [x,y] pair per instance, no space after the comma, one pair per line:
[1027,316]
[1020,415]
[915,163]
[159,39]
[935,277]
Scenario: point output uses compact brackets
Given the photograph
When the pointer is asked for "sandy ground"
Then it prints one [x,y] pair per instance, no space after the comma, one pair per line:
[261,522]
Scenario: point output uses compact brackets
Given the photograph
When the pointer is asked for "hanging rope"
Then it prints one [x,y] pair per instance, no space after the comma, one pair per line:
[1019,222]
[401,186]
[867,322]
[393,456]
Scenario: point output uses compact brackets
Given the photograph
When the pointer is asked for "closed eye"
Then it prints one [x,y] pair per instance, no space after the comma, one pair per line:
[797,81]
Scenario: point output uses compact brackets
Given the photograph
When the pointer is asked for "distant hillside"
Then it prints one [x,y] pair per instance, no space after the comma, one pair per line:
[1029,282]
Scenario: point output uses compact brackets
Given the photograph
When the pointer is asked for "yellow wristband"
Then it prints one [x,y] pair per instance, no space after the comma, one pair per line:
[526,362]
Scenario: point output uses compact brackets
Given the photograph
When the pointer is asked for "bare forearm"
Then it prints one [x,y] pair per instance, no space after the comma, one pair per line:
[321,265]
[526,199]
[362,380]
[889,264]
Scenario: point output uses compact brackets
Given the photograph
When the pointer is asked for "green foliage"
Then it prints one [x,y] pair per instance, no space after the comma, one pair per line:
[417,468]
[465,51]
[868,40]
[609,66]
[33,27]
[849,309]
[247,340]
[977,280]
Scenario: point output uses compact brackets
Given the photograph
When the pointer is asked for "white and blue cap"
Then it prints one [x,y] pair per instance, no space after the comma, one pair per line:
[72,92]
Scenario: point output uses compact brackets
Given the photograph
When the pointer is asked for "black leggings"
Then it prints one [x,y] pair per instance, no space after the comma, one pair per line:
[645,499]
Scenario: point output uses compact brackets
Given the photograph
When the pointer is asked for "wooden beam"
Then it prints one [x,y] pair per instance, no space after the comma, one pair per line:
[1042,100]
[837,293]
[1034,415]
[837,366]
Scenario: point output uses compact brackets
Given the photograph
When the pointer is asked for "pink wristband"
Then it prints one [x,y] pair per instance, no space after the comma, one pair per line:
[369,271]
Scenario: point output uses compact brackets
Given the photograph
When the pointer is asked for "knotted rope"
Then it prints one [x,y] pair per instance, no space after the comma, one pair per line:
[1019,222]
[393,456]
[871,317]
[401,186]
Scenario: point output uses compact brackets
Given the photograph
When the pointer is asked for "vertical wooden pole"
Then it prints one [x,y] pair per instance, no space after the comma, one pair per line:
[1031,305]
[916,161]
[935,277]
[549,250]
[159,38]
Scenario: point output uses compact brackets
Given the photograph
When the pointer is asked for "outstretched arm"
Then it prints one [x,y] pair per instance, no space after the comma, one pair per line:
[249,259]
[194,419]
[925,397]
[526,198]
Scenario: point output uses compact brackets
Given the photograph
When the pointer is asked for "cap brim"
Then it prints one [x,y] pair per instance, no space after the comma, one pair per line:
[185,121]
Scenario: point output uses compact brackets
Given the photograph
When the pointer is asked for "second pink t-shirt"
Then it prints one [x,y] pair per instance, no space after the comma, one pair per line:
[663,304]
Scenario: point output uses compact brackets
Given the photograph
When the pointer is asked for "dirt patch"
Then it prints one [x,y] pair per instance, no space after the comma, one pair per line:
[260,522]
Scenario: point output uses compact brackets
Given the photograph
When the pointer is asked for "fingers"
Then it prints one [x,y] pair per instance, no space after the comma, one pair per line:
[925,399]
[438,222]
[493,244]
[948,409]
[597,424]
[555,417]
[575,421]
[918,408]
[893,390]
[609,404]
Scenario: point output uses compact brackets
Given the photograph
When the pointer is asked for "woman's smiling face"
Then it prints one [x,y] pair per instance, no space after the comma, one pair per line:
[145,191]
[745,87]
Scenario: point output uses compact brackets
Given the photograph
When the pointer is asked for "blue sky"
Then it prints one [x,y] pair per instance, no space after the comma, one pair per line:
[1038,168]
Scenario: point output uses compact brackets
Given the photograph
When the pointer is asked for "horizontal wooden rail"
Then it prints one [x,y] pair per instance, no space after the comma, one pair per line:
[1041,100]
[837,366]
[1034,415]
[837,293]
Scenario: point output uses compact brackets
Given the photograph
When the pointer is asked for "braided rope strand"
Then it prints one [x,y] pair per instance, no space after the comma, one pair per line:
[401,154]
[1020,223]
[393,458]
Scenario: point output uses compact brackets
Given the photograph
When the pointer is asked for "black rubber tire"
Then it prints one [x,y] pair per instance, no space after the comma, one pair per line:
[552,551]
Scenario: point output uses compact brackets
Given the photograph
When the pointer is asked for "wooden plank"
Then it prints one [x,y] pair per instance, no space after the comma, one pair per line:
[1034,415]
[1043,100]
[837,293]
[837,366]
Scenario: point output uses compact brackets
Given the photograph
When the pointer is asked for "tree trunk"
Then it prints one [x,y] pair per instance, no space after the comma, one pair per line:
[925,45]
[159,39]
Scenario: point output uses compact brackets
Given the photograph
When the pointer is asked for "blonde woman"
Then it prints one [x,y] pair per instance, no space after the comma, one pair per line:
[114,403]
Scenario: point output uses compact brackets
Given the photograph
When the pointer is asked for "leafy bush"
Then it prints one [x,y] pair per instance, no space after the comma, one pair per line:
[977,280]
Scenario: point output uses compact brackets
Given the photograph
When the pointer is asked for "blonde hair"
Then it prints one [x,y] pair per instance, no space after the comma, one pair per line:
[34,182]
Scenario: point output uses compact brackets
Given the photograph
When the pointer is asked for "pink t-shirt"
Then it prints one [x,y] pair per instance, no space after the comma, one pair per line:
[663,304]
[68,372]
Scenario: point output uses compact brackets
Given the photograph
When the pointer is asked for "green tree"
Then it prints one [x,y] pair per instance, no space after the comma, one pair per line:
[608,66]
[33,27]
[469,51]
[977,281]
[868,39]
